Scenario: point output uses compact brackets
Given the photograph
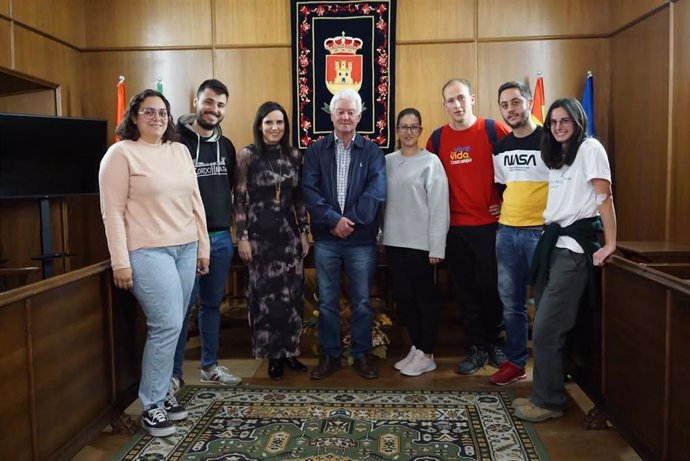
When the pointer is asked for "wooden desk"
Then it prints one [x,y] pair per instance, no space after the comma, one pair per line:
[654,251]
[645,343]
[71,352]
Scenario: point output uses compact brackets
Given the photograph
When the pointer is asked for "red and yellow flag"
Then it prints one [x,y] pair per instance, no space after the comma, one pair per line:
[538,109]
[120,102]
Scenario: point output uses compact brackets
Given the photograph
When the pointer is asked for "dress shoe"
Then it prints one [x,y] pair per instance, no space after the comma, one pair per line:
[275,369]
[327,365]
[366,367]
[294,364]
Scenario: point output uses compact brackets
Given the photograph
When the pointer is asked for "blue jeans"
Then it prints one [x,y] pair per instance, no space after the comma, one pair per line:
[163,280]
[210,290]
[359,262]
[514,250]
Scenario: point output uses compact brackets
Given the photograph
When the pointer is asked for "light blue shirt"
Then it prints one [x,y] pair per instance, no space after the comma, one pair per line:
[342,159]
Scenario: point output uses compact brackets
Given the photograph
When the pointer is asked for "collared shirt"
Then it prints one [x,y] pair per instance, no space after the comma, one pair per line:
[342,158]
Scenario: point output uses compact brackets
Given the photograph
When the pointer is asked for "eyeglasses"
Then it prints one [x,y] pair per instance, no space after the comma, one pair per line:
[563,122]
[149,113]
[409,128]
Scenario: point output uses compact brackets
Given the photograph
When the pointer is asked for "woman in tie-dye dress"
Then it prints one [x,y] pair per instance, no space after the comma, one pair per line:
[272,230]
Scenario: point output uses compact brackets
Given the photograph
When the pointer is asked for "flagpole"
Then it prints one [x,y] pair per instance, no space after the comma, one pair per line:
[119,101]
[588,103]
[538,102]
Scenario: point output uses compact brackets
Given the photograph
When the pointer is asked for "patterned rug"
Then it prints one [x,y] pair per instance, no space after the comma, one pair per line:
[248,423]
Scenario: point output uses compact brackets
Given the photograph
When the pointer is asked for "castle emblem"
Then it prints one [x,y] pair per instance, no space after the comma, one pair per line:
[343,64]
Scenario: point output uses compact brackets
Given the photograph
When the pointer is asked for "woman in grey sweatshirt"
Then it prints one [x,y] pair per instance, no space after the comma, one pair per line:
[415,223]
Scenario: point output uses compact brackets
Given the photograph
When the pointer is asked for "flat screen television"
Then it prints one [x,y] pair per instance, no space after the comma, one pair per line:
[45,156]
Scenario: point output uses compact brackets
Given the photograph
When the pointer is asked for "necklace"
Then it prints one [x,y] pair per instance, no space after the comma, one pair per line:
[278,178]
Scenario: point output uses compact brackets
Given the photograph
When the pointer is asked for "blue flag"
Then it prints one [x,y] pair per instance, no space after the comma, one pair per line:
[588,104]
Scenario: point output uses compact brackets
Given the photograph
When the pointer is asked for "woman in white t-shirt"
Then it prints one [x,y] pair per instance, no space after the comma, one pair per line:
[563,269]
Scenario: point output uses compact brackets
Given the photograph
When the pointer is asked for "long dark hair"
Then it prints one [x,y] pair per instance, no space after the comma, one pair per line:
[554,153]
[404,112]
[259,144]
[128,130]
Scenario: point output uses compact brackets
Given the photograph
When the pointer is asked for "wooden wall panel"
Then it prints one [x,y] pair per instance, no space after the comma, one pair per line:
[85,234]
[533,18]
[253,76]
[49,60]
[5,44]
[63,19]
[36,102]
[635,368]
[679,414]
[564,64]
[623,12]
[639,103]
[434,20]
[182,72]
[148,23]
[248,22]
[680,193]
[14,381]
[20,232]
[70,325]
[5,7]
[417,86]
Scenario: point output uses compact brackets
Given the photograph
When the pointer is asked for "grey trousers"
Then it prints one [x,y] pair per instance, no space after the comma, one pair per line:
[557,302]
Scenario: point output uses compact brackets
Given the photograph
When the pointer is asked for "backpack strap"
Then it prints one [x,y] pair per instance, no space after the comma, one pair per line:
[491,130]
[436,140]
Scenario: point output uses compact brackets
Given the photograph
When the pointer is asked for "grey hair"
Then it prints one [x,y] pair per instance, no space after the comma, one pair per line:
[349,95]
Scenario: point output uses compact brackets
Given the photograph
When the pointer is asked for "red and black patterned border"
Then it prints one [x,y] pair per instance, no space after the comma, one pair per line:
[313,23]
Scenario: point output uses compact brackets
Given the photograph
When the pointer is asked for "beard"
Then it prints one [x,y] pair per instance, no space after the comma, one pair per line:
[520,123]
[208,125]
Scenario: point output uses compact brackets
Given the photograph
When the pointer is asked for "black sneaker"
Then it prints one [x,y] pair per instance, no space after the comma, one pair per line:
[155,421]
[176,412]
[473,362]
[496,355]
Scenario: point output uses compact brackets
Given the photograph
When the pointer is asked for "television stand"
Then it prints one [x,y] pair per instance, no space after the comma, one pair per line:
[47,254]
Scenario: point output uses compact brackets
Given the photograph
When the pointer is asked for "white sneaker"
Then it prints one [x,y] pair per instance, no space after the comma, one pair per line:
[219,374]
[400,364]
[419,364]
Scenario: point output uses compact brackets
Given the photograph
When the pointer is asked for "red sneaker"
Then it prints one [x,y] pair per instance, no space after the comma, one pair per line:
[508,373]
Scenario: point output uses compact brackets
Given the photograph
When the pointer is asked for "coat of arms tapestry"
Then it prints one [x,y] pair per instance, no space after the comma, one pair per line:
[338,45]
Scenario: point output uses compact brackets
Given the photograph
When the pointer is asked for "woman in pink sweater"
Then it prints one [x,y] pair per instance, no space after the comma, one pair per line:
[156,230]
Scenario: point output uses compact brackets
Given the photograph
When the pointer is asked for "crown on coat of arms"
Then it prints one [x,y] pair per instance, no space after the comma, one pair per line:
[343,44]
